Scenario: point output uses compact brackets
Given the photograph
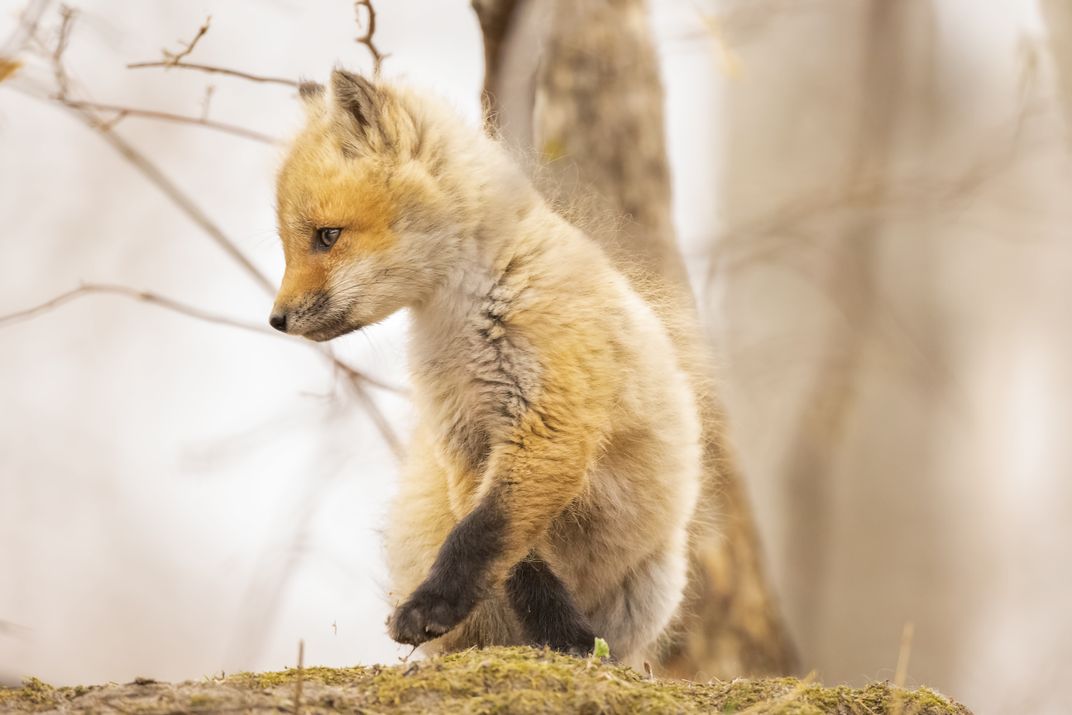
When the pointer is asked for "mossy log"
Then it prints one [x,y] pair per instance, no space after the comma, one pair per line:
[493,680]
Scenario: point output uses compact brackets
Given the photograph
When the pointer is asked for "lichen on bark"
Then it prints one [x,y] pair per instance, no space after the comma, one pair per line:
[492,680]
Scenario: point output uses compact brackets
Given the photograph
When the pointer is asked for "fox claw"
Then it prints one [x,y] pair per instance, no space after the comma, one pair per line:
[423,617]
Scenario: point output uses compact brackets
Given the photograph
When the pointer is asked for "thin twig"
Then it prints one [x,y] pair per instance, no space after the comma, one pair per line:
[90,117]
[356,383]
[26,29]
[368,37]
[140,295]
[59,69]
[187,205]
[173,58]
[153,173]
[122,111]
[87,289]
[212,69]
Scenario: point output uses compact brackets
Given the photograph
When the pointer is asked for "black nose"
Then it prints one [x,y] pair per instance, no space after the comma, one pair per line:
[279,321]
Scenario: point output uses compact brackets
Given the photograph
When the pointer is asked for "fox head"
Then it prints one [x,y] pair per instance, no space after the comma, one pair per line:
[366,227]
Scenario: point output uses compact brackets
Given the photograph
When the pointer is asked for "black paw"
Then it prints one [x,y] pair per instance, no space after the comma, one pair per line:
[546,610]
[426,615]
[571,636]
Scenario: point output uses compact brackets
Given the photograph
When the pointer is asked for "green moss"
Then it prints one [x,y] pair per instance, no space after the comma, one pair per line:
[484,682]
[33,692]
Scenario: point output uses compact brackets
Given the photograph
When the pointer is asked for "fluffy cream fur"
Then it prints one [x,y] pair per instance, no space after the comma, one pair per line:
[543,381]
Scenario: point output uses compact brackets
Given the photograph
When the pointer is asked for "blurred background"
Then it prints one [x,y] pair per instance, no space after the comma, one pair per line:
[872,199]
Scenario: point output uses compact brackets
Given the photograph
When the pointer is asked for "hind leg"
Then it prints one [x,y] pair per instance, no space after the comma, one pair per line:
[546,610]
[491,622]
[632,616]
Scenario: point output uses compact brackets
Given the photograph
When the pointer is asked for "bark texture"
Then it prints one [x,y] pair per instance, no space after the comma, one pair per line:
[588,107]
[1058,17]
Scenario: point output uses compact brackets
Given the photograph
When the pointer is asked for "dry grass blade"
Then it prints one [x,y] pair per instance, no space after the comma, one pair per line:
[778,704]
[300,678]
[900,676]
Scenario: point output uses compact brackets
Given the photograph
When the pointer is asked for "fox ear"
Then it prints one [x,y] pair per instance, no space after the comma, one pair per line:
[358,96]
[312,96]
[311,92]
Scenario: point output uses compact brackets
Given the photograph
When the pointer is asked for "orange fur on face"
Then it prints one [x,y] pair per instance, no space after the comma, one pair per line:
[317,191]
[326,183]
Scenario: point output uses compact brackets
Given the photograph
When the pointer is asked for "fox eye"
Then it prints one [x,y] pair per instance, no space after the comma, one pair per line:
[326,237]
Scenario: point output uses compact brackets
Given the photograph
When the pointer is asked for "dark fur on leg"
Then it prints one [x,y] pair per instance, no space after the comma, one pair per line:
[457,581]
[546,609]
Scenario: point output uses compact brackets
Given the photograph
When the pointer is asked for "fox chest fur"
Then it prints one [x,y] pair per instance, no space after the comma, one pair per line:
[475,371]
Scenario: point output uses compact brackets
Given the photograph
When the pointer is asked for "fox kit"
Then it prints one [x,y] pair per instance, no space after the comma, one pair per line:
[556,462]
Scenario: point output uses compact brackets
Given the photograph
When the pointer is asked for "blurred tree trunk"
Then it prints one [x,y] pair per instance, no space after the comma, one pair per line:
[848,277]
[818,150]
[1058,17]
[576,85]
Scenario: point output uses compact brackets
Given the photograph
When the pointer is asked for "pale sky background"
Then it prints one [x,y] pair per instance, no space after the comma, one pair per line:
[178,499]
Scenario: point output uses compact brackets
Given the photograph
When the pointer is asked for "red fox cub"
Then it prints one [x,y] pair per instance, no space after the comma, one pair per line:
[556,462]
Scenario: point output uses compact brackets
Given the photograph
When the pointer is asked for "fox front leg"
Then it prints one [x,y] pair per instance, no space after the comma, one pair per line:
[459,578]
[531,477]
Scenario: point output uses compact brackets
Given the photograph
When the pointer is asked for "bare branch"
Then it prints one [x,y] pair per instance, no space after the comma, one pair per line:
[356,380]
[368,37]
[89,116]
[175,306]
[173,58]
[123,111]
[216,70]
[86,113]
[26,29]
[187,205]
[135,294]
[59,70]
[359,379]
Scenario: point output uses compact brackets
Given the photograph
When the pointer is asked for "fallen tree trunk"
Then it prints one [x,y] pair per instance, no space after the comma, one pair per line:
[495,680]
